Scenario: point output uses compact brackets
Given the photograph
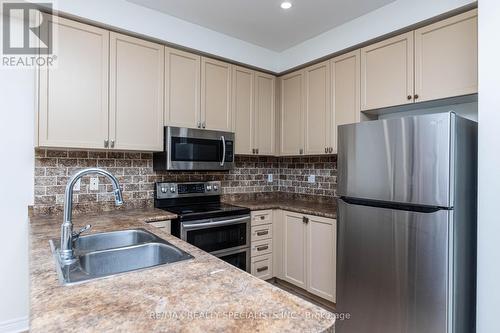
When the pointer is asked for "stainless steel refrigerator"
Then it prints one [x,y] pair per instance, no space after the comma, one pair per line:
[407,225]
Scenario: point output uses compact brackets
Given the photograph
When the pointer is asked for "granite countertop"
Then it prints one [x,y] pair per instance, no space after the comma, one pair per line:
[203,294]
[317,208]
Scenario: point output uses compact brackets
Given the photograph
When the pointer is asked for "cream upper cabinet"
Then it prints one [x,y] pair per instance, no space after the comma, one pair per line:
[446,58]
[73,95]
[387,72]
[317,112]
[321,256]
[136,93]
[294,249]
[243,106]
[216,95]
[292,105]
[345,87]
[182,88]
[265,133]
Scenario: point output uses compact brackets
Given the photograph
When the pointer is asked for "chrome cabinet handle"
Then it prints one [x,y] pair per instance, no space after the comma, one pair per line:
[223,150]
[106,143]
[262,233]
[112,143]
[262,248]
[199,124]
[261,269]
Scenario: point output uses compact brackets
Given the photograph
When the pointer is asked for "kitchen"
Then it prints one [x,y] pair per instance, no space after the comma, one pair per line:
[170,154]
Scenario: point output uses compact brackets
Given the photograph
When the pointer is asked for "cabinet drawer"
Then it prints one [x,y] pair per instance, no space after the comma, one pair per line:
[262,217]
[262,266]
[260,232]
[262,247]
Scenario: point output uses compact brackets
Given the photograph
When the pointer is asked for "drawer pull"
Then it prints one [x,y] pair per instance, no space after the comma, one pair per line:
[262,233]
[261,269]
[262,217]
[262,248]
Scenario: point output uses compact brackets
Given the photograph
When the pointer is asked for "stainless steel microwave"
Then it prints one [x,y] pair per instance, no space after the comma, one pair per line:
[195,149]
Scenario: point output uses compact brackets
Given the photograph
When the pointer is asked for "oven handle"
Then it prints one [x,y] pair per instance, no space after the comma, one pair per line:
[191,226]
[223,150]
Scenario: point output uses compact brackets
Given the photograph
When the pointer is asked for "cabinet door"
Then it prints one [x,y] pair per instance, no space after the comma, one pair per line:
[136,93]
[294,249]
[243,107]
[387,73]
[446,58]
[73,95]
[345,92]
[182,88]
[291,113]
[264,113]
[321,257]
[317,112]
[216,95]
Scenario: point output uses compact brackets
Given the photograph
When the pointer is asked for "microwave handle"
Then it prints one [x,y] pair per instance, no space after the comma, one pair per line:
[223,150]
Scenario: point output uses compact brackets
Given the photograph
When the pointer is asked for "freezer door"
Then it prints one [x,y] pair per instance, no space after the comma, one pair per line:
[405,160]
[392,270]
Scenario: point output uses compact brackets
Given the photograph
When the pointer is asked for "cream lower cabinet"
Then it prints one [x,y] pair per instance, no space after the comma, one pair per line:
[309,253]
[216,111]
[136,94]
[345,88]
[253,108]
[73,95]
[182,88]
[446,58]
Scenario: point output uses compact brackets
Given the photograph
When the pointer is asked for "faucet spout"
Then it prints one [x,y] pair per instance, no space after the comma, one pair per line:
[66,251]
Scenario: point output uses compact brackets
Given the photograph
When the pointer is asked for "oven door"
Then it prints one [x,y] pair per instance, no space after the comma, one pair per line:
[192,149]
[237,258]
[218,235]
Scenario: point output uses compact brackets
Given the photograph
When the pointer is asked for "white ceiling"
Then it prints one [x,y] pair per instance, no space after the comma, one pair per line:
[263,22]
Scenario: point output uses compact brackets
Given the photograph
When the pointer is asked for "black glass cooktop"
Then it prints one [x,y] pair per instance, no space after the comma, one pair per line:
[206,211]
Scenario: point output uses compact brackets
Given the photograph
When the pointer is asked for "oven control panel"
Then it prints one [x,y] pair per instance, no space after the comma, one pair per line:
[191,189]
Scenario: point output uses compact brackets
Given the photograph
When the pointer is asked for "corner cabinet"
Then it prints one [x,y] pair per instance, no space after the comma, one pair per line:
[254,111]
[136,94]
[387,72]
[309,253]
[182,88]
[216,87]
[73,95]
[292,106]
[446,58]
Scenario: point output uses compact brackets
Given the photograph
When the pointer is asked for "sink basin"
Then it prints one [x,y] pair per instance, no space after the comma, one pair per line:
[130,258]
[111,253]
[114,239]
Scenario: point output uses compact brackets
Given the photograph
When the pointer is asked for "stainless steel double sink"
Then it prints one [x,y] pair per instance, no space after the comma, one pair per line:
[110,253]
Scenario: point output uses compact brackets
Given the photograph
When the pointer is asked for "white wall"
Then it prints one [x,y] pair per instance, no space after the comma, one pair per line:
[488,293]
[17,103]
[386,19]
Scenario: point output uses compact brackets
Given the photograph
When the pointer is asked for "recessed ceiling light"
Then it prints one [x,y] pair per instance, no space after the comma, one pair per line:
[286,5]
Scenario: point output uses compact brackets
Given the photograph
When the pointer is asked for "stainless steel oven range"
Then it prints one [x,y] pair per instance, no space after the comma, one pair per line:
[215,227]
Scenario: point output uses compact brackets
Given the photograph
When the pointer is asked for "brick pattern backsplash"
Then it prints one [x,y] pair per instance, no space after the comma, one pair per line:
[294,173]
[134,171]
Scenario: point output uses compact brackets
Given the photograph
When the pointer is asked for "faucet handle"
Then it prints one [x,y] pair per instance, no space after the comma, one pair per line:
[75,235]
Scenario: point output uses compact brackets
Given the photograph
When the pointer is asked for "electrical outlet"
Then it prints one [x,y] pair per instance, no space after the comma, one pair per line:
[270,178]
[77,185]
[311,179]
[94,184]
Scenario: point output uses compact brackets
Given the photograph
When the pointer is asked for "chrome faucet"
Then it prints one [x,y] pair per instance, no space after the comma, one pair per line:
[67,235]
